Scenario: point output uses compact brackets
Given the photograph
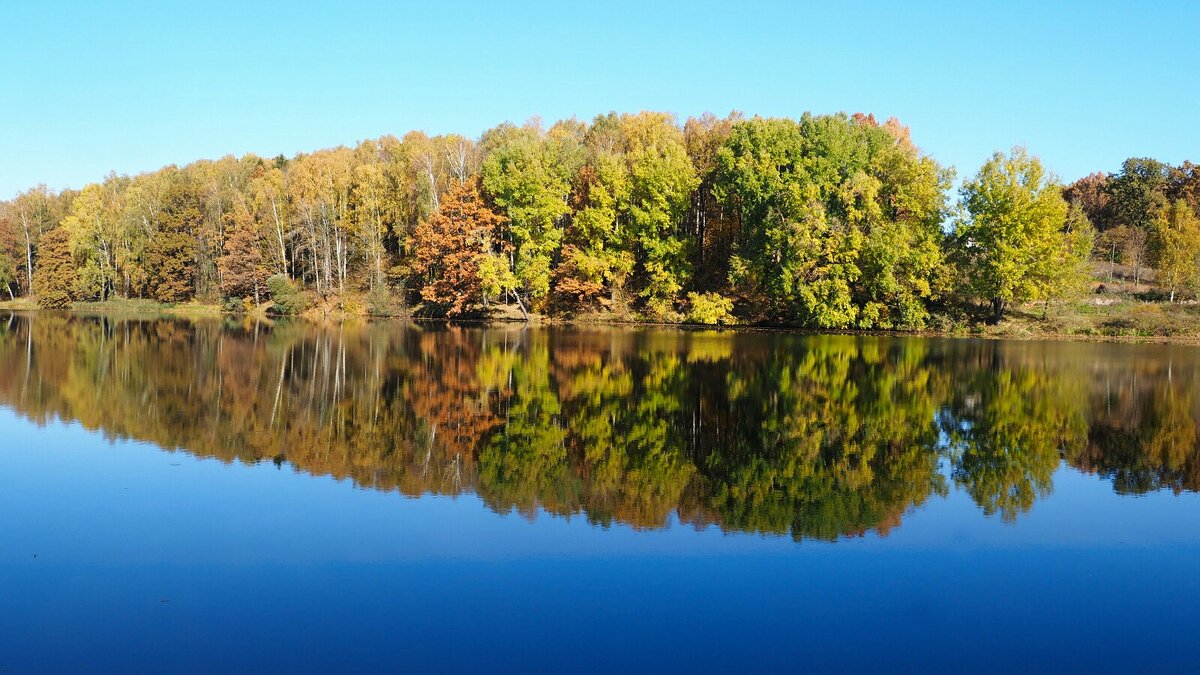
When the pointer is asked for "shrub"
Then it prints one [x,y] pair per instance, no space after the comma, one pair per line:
[710,309]
[380,302]
[289,299]
[233,305]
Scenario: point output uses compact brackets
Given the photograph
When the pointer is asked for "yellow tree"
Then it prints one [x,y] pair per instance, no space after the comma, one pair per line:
[93,228]
[319,188]
[1178,232]
[1016,231]
[268,194]
[376,210]
[32,212]
[142,210]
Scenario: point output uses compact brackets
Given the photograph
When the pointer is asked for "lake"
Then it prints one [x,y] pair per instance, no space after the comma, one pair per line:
[236,496]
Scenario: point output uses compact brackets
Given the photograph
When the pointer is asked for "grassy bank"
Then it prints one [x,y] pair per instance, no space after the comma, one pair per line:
[126,306]
[1124,319]
[1116,318]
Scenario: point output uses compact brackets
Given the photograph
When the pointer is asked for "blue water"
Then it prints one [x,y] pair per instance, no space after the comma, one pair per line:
[118,555]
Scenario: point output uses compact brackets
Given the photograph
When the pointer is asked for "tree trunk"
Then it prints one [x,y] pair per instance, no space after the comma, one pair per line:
[521,305]
[279,237]
[997,310]
[28,253]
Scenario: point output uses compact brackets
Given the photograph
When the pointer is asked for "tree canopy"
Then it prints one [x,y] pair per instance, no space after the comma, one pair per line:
[821,221]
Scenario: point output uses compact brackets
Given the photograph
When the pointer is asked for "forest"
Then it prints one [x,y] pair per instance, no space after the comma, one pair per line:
[816,437]
[825,221]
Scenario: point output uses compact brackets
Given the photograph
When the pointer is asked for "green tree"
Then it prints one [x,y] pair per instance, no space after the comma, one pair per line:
[1137,192]
[661,182]
[527,174]
[840,220]
[1014,241]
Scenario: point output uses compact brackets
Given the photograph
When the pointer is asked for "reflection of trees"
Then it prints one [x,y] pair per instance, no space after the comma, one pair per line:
[830,439]
[1006,430]
[819,437]
[1144,435]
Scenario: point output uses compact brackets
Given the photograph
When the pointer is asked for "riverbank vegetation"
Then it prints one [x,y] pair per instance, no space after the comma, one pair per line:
[826,221]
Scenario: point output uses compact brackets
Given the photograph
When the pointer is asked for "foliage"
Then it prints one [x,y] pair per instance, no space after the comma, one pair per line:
[710,308]
[243,267]
[54,276]
[449,247]
[1137,193]
[8,272]
[1016,245]
[840,220]
[288,298]
[1178,233]
[826,221]
[527,174]
[662,179]
[171,255]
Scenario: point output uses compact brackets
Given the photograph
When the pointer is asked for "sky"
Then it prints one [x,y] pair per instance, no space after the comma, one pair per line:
[88,88]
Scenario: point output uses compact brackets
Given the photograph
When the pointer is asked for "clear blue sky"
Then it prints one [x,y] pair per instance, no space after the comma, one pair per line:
[86,88]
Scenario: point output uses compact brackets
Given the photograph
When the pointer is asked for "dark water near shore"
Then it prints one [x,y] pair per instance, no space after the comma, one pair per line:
[212,496]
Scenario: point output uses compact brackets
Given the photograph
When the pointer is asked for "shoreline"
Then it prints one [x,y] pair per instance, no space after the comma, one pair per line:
[1020,327]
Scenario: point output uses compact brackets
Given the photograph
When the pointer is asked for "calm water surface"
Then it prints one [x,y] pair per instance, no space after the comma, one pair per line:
[227,496]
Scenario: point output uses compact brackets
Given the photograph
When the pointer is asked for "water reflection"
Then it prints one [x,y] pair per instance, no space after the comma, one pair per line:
[814,436]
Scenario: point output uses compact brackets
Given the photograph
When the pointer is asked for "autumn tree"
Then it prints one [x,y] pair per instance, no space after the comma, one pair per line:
[171,255]
[94,228]
[1177,230]
[55,274]
[1183,182]
[242,266]
[597,256]
[448,248]
[31,213]
[1091,195]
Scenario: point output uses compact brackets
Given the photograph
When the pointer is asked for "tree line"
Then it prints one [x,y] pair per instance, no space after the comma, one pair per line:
[815,437]
[829,221]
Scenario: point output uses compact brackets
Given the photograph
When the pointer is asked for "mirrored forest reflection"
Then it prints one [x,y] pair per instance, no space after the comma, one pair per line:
[814,436]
